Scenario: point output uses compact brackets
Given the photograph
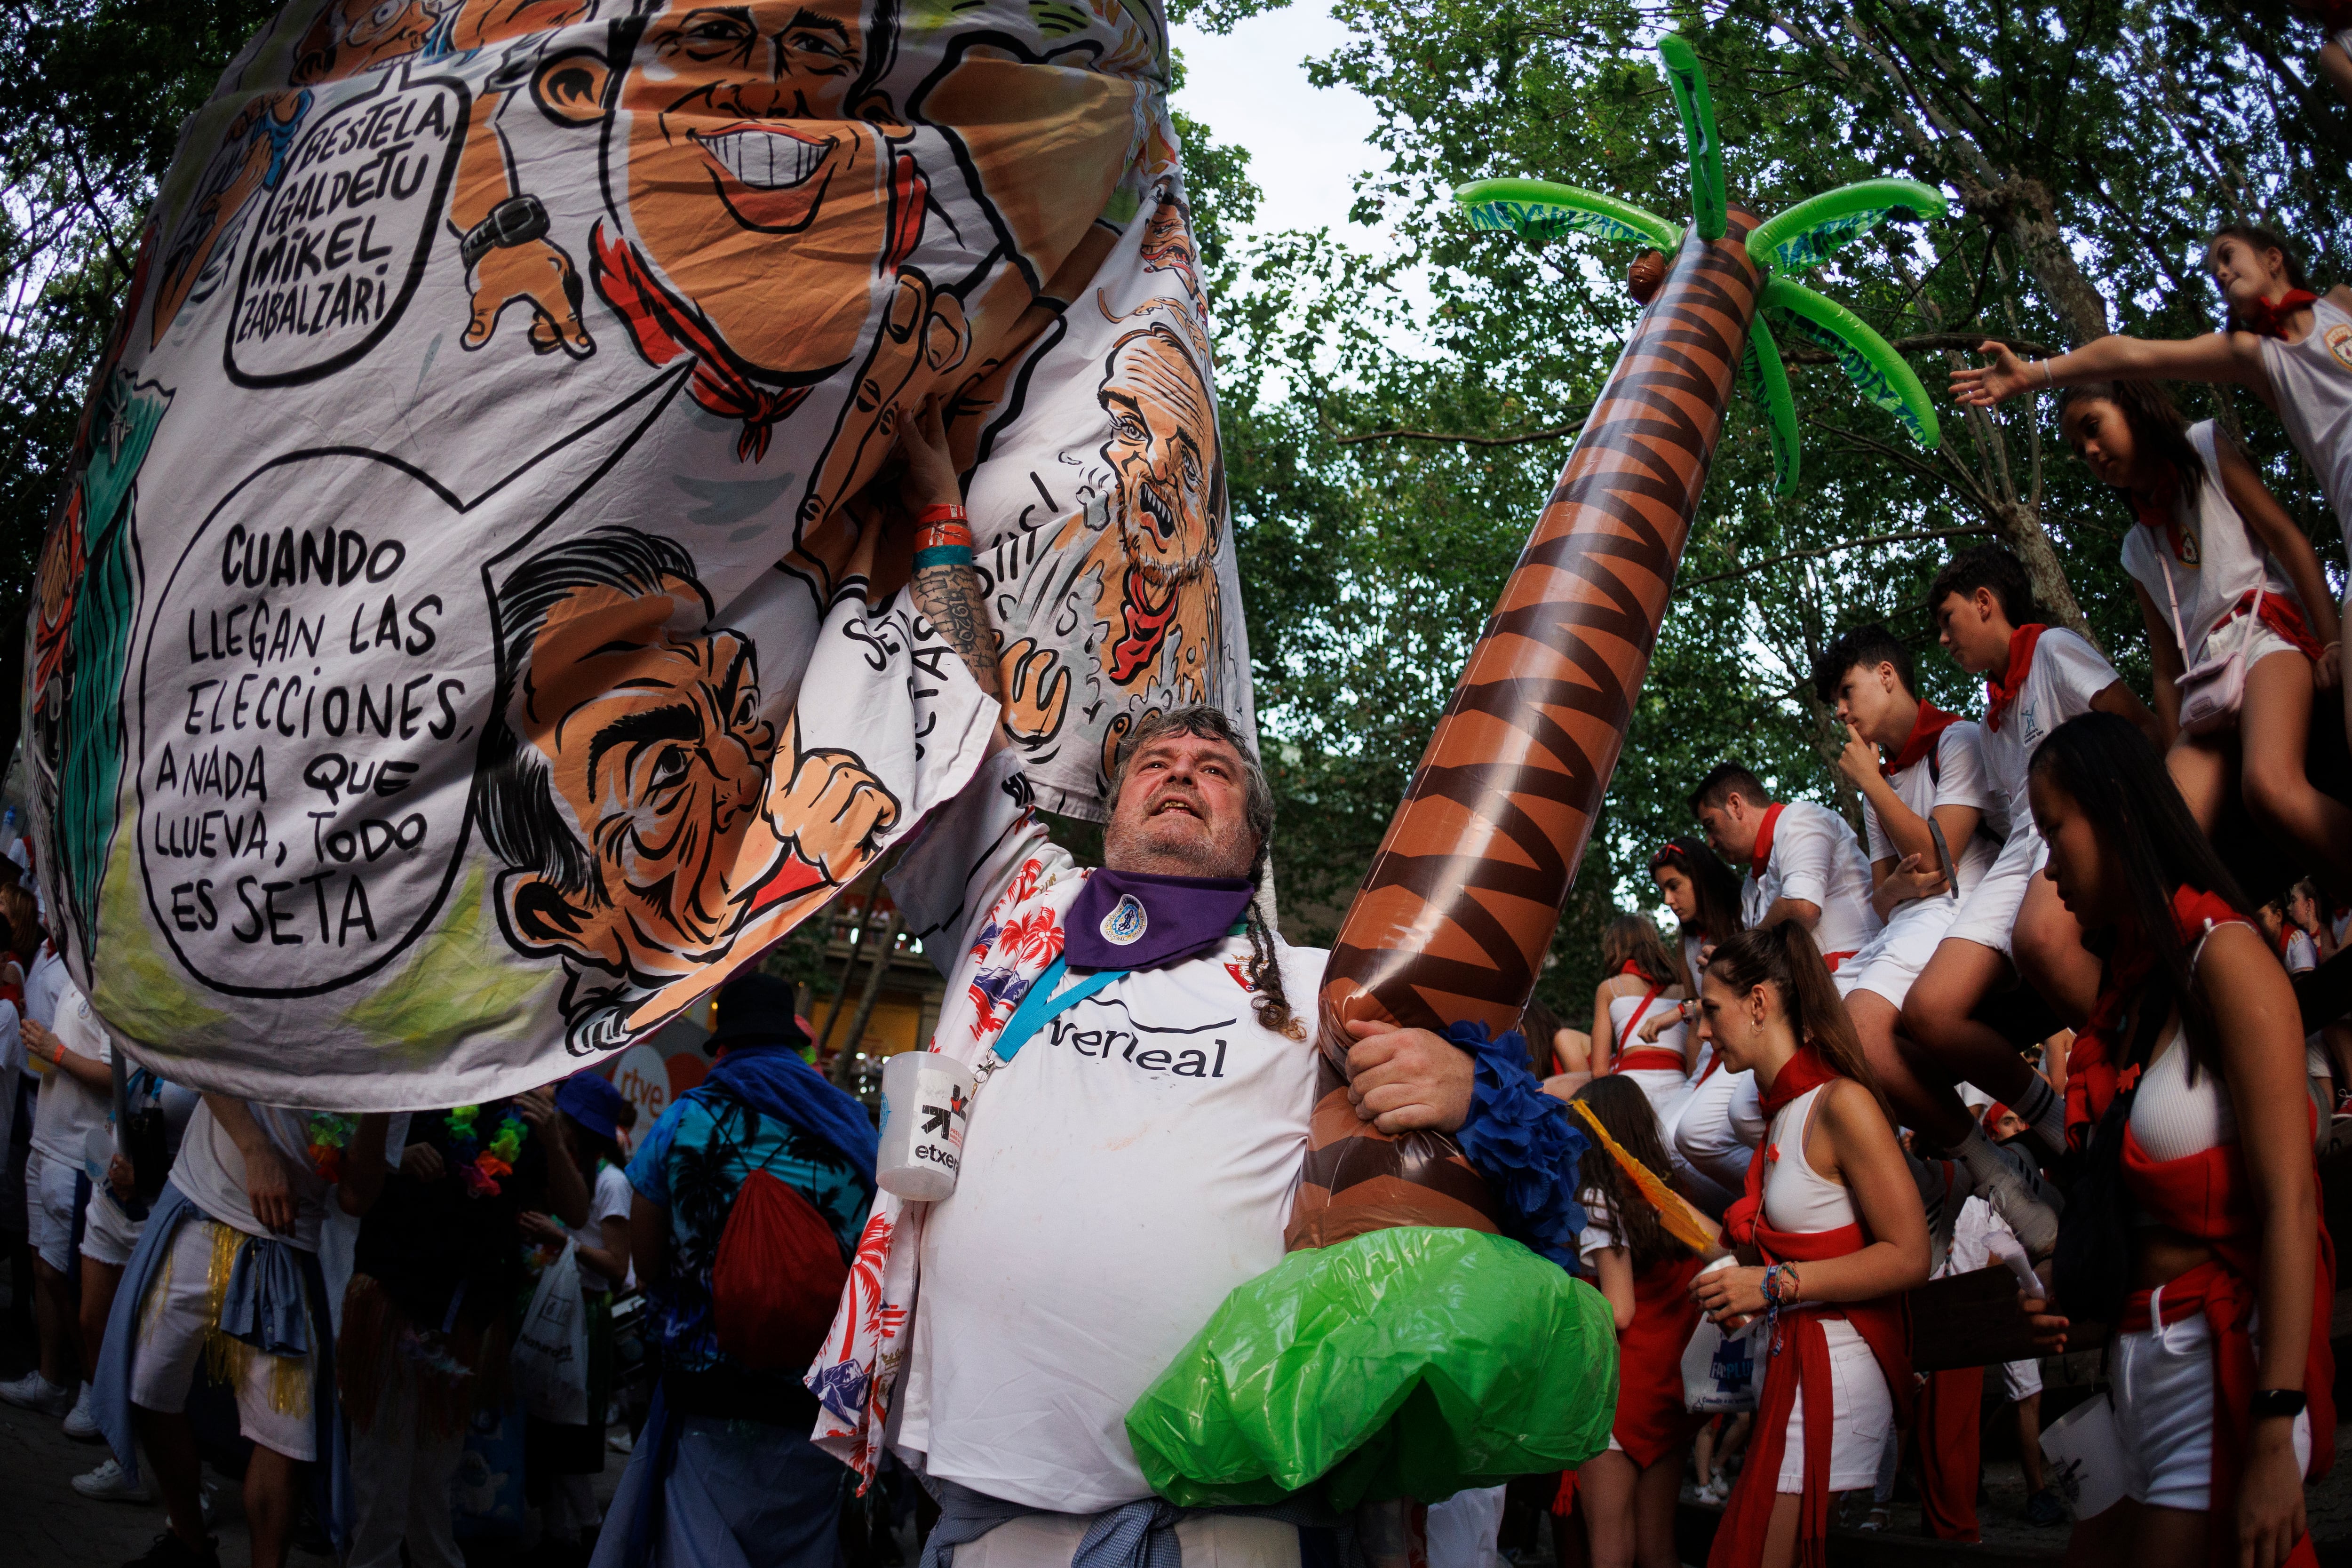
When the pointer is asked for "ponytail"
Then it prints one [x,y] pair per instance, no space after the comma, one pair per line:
[1783,955]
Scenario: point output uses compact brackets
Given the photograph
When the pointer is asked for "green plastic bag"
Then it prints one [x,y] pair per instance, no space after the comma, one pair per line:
[1411,1363]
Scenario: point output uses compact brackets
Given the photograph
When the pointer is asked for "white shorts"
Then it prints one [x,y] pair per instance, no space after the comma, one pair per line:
[2162,1383]
[107,1235]
[2021,1378]
[1862,1414]
[1987,913]
[1892,960]
[49,1207]
[1229,1540]
[175,1322]
[1720,1125]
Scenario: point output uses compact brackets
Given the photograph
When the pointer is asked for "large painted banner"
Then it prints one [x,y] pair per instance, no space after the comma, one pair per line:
[473,627]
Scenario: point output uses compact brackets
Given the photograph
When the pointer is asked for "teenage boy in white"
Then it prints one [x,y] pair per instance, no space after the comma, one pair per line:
[2036,678]
[74,1101]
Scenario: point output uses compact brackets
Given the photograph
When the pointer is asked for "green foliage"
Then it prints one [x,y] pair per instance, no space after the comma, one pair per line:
[2091,148]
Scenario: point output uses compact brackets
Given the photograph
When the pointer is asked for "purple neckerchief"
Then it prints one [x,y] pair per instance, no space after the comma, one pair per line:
[1134,920]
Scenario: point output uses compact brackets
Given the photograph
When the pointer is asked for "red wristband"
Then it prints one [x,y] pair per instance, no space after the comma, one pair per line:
[945,513]
[943,535]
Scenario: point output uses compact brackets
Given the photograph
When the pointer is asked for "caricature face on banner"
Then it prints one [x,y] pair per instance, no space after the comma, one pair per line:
[473,628]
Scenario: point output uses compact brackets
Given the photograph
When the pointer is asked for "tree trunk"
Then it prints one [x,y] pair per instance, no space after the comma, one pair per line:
[843,1073]
[2019,527]
[2020,208]
[1453,919]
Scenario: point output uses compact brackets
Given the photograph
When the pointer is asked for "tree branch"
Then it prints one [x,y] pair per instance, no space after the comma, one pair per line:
[1466,441]
[1771,561]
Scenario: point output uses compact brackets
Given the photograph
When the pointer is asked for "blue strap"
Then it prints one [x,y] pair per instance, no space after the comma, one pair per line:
[1039,1003]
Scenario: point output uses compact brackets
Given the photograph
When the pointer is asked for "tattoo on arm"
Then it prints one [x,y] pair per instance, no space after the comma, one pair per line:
[949,599]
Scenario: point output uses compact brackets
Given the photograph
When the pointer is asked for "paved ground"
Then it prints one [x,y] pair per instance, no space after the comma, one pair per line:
[50,1525]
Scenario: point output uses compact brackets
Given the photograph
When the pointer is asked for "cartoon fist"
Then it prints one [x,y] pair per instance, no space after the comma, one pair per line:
[831,809]
[540,275]
[1036,693]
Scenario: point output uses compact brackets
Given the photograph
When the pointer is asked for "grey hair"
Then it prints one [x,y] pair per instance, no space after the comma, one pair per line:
[1270,1002]
[1209,724]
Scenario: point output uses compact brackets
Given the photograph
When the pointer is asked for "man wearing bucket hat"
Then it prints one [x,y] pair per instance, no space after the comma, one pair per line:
[748,1192]
[1112,1142]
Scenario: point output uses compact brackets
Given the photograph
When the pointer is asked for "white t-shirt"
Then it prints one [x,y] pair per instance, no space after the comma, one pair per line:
[210,1172]
[2066,673]
[2197,575]
[2313,381]
[2302,952]
[69,1110]
[608,1200]
[1131,1166]
[45,982]
[1958,778]
[1596,1237]
[1817,858]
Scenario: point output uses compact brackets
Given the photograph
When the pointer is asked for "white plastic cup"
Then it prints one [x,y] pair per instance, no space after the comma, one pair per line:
[926,1106]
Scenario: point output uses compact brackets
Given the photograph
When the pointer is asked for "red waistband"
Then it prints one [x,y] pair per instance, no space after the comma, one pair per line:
[2184,1297]
[1650,1059]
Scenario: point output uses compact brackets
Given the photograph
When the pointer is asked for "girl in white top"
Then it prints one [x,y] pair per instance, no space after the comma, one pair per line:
[1643,984]
[1831,1162]
[2223,1206]
[2220,569]
[2287,345]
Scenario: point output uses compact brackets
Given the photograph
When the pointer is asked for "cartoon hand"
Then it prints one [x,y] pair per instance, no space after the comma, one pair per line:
[1036,693]
[537,273]
[832,809]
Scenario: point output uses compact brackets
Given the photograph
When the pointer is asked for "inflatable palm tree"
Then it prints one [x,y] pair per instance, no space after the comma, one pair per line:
[1455,913]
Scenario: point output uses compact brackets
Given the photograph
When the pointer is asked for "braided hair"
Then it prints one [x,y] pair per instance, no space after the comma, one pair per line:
[1268,999]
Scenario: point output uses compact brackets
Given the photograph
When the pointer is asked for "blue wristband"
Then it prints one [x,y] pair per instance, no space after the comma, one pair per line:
[943,555]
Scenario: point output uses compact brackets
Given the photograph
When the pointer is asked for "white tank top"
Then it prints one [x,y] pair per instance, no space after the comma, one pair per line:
[2312,382]
[2172,1118]
[2216,563]
[1796,1197]
[1626,1035]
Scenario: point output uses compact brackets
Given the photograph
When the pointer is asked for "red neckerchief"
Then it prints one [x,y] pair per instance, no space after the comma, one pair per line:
[1634,969]
[1760,859]
[2158,514]
[2095,1072]
[1801,1074]
[2266,319]
[1931,722]
[2000,693]
[1147,627]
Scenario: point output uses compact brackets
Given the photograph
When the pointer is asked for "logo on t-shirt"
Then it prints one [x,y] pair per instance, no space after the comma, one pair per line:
[1126,922]
[2339,343]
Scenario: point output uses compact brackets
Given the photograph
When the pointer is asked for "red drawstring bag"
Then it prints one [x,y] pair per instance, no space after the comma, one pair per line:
[777,1277]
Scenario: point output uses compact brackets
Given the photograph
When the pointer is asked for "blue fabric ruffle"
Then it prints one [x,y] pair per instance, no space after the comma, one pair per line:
[1523,1141]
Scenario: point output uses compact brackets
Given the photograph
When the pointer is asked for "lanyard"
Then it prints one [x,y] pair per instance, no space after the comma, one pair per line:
[1039,1003]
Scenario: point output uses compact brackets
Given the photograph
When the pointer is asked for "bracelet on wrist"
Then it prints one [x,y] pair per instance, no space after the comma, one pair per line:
[943,511]
[2048,377]
[943,555]
[944,535]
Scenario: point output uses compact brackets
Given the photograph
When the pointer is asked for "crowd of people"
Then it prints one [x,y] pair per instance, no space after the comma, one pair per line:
[2027,1012]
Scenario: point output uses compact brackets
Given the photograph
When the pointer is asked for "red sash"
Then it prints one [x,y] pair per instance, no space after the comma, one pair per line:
[1949,1445]
[2095,1069]
[1931,722]
[1999,694]
[2282,617]
[1650,1059]
[1801,1362]
[1652,1424]
[2209,1195]
[1760,859]
[1633,1022]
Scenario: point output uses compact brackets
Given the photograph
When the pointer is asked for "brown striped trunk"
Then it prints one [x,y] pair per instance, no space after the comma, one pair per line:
[1453,920]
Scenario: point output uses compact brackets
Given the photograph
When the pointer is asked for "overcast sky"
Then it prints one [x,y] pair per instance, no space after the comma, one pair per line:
[1307,144]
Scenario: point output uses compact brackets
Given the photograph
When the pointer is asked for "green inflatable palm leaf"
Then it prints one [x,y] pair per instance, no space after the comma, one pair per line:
[1687,81]
[1538,209]
[1868,360]
[1768,383]
[1808,232]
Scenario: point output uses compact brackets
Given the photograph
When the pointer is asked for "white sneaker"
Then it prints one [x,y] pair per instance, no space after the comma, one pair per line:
[34,1391]
[81,1421]
[109,1484]
[2005,1177]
